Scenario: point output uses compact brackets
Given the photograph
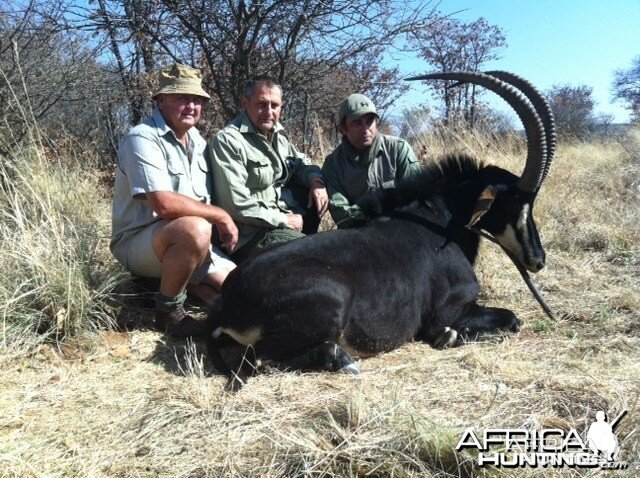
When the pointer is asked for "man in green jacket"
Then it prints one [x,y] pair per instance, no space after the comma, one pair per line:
[365,159]
[271,190]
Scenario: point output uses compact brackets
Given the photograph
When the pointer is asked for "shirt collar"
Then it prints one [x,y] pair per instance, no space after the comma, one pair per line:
[362,157]
[163,128]
[246,126]
[161,124]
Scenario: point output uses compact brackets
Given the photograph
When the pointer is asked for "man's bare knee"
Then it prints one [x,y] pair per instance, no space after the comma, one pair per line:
[199,230]
[189,232]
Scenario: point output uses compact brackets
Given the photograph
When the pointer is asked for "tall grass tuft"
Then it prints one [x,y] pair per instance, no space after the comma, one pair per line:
[57,275]
[483,142]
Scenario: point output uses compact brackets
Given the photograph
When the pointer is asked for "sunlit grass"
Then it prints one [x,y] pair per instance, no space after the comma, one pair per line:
[140,404]
[58,275]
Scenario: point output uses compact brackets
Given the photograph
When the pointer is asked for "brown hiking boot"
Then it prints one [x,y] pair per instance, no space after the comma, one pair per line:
[177,323]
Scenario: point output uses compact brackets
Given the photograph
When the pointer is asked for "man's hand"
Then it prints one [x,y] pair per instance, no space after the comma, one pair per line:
[294,221]
[318,195]
[227,231]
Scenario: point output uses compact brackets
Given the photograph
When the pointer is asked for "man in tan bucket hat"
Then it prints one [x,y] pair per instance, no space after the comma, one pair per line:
[162,213]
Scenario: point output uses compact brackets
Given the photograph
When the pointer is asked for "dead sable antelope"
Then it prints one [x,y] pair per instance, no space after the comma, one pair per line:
[316,302]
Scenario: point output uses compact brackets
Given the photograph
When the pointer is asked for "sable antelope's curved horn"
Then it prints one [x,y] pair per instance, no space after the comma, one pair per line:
[534,170]
[542,107]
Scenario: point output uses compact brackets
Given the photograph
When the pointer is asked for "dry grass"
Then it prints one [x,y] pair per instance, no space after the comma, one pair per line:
[139,405]
[57,270]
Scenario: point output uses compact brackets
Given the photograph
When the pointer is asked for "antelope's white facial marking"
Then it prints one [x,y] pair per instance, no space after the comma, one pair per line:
[522,222]
[245,337]
[509,237]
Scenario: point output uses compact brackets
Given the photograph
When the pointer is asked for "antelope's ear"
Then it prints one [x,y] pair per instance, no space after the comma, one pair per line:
[484,202]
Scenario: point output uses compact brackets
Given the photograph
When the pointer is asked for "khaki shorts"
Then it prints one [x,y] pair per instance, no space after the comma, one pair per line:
[136,254]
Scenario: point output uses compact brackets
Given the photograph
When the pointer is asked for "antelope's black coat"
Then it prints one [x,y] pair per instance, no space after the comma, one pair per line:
[408,274]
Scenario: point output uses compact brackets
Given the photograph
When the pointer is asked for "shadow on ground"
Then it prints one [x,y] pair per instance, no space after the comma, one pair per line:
[177,356]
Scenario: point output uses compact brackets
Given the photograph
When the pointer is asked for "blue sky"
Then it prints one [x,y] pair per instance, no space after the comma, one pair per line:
[576,42]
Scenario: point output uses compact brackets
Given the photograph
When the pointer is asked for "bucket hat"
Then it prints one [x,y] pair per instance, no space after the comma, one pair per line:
[180,79]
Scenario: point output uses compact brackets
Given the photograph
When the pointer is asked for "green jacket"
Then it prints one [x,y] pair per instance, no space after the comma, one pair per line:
[349,175]
[249,171]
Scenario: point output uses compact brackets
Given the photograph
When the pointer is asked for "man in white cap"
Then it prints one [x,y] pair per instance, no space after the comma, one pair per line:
[162,213]
[365,159]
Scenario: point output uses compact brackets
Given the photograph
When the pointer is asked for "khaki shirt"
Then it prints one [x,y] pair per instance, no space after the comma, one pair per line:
[249,170]
[349,179]
[150,158]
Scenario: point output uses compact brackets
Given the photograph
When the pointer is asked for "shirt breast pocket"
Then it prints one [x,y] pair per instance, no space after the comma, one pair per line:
[176,173]
[201,179]
[259,173]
